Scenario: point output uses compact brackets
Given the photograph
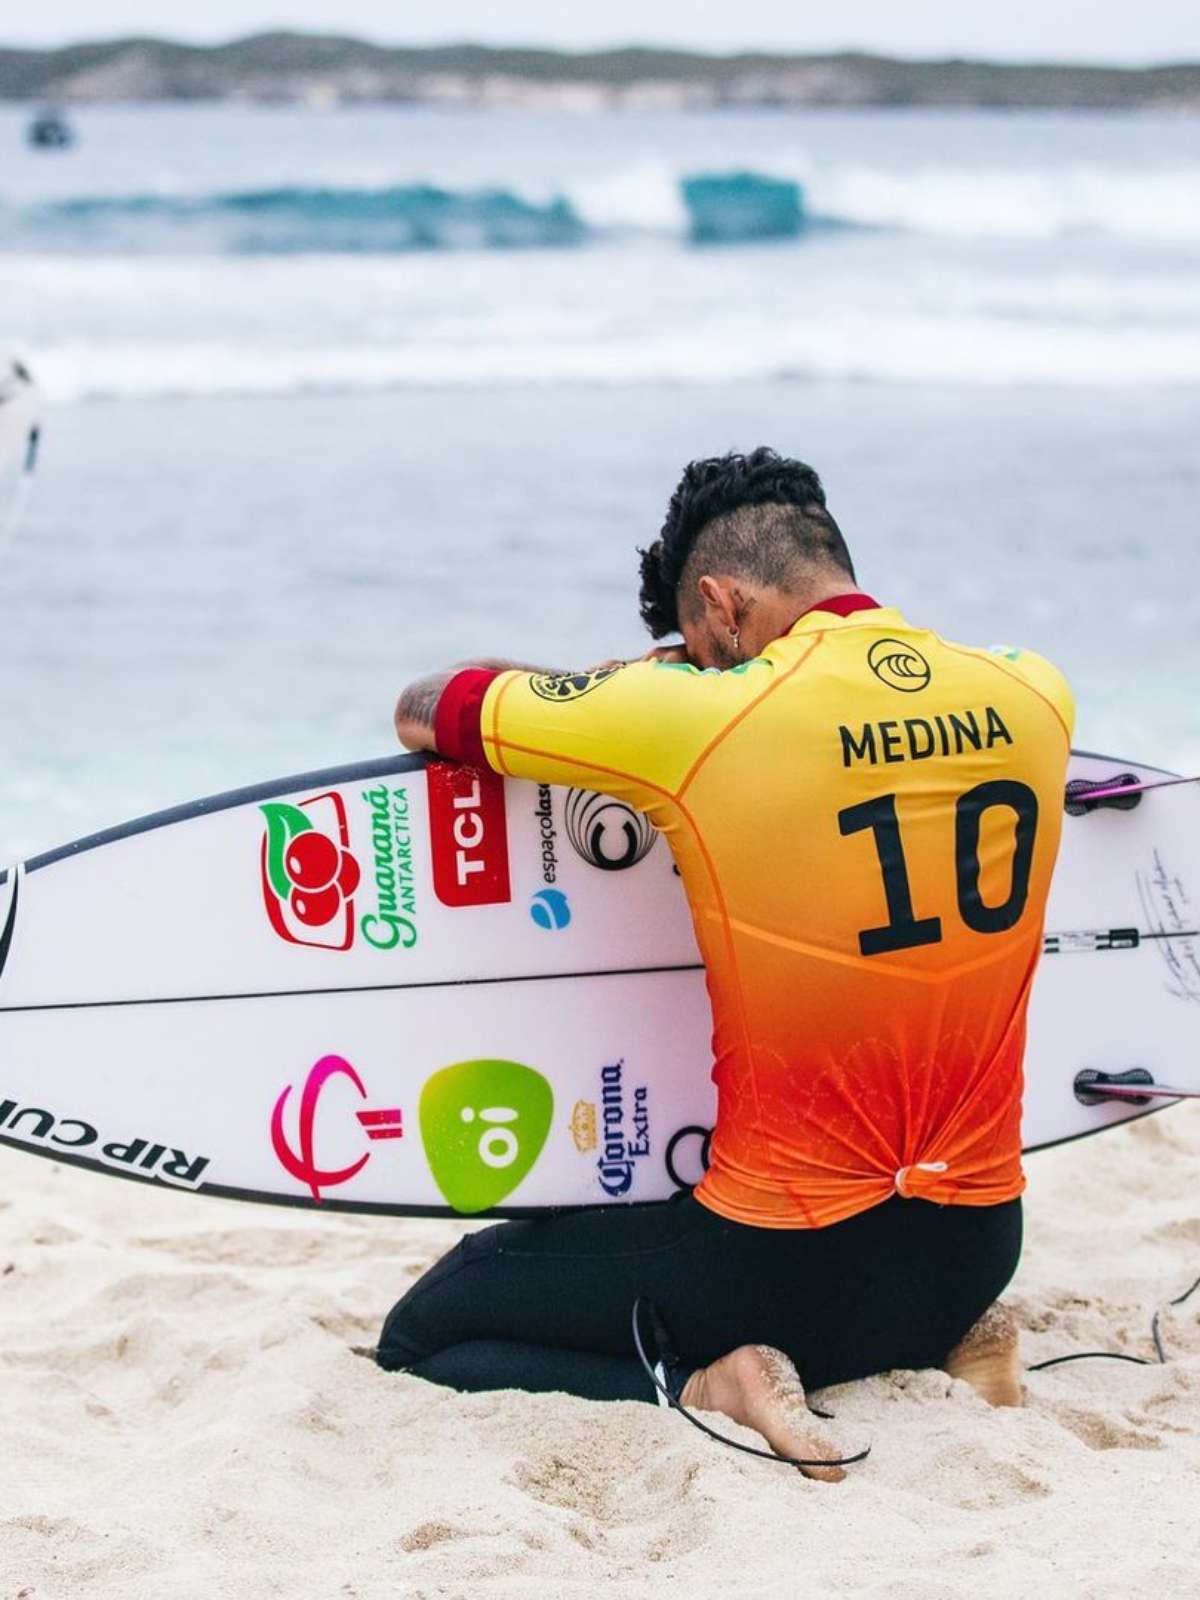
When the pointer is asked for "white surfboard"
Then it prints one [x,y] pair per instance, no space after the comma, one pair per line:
[412,988]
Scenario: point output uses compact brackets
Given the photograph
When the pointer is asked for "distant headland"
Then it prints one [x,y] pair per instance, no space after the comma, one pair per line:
[323,71]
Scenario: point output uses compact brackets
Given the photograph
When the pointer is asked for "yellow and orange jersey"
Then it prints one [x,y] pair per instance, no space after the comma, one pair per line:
[865,819]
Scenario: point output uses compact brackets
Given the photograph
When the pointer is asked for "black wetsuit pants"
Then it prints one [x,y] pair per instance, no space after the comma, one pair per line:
[547,1304]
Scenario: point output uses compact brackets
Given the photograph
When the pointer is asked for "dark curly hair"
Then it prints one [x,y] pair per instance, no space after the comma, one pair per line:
[761,516]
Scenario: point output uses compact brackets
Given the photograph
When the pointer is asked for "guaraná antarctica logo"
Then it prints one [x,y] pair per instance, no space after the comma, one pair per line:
[561,686]
[607,833]
[900,666]
[483,1125]
[311,876]
[393,921]
[301,1160]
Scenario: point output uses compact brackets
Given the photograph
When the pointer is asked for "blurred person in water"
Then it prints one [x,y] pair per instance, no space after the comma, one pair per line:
[865,818]
[20,427]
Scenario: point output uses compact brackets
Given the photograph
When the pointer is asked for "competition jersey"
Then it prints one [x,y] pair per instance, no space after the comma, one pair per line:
[865,819]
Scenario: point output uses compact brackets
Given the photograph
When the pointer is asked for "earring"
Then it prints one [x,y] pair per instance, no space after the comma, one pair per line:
[735,636]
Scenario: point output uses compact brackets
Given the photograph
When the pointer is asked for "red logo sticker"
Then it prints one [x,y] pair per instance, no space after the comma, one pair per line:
[302,1163]
[309,873]
[468,834]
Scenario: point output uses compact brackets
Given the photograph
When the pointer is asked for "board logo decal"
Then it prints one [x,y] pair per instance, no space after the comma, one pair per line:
[483,1125]
[468,836]
[583,1126]
[392,924]
[387,1123]
[141,1158]
[624,1130]
[686,1156]
[900,666]
[550,910]
[309,873]
[607,833]
[562,686]
[547,834]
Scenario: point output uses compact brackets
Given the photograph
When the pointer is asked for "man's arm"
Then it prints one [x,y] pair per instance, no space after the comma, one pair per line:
[416,709]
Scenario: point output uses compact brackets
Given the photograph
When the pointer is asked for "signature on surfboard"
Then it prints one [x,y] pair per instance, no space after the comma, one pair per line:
[1169,912]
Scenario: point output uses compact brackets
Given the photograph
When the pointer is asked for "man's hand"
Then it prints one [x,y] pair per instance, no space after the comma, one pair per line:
[416,709]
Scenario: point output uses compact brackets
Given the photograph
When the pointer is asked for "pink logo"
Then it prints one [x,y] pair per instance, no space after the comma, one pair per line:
[385,1124]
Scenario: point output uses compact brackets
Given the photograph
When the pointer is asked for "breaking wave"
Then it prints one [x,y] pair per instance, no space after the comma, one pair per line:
[304,220]
[704,207]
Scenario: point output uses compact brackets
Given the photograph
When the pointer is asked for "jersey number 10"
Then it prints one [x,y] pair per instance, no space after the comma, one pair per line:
[904,930]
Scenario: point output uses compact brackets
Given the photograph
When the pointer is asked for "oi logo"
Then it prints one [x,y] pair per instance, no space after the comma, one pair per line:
[483,1125]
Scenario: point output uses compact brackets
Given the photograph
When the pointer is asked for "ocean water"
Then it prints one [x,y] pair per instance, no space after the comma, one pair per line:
[333,398]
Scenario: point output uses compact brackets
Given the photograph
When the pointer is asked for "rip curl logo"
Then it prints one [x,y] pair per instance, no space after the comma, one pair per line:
[900,666]
[309,873]
[302,1163]
[569,685]
[483,1125]
[607,833]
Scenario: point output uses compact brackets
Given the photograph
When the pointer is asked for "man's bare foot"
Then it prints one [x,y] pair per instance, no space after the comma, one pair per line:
[987,1358]
[760,1388]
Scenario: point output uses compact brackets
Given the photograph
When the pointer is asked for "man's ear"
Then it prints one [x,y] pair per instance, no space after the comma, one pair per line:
[723,600]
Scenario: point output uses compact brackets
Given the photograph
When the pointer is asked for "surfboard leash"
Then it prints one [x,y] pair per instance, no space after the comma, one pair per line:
[672,1400]
[1119,1355]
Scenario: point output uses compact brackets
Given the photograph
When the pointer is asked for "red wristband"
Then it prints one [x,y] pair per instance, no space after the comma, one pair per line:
[458,721]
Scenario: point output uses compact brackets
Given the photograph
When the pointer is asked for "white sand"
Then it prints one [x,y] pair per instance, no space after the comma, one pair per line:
[182,1415]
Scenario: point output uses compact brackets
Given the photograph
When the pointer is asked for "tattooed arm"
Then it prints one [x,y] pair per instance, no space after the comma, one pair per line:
[416,709]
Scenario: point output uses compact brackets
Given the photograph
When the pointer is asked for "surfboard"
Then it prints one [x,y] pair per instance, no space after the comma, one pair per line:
[411,988]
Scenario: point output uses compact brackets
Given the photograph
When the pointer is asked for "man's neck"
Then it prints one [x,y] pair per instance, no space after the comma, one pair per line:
[834,587]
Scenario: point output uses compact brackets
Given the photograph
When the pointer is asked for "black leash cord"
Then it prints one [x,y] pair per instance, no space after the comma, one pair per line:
[1115,1355]
[734,1444]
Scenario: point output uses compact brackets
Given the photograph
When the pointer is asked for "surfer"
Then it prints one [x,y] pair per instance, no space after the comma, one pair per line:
[865,818]
[19,430]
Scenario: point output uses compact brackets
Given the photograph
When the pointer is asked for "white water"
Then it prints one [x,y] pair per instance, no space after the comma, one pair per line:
[968,249]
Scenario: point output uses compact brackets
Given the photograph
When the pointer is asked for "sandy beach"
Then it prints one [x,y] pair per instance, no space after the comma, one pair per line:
[185,1413]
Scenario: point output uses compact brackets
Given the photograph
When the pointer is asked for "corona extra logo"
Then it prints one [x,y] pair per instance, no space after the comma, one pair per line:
[583,1126]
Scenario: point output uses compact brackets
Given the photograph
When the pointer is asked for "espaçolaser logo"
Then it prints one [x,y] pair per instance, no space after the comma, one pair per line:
[309,874]
[483,1125]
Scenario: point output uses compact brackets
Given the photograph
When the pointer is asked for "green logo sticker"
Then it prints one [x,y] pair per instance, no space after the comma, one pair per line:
[483,1125]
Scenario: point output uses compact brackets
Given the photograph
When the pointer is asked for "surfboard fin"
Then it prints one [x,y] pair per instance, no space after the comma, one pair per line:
[1093,794]
[1136,1086]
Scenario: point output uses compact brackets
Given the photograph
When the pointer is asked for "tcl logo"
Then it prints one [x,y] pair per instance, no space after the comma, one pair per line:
[468,834]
